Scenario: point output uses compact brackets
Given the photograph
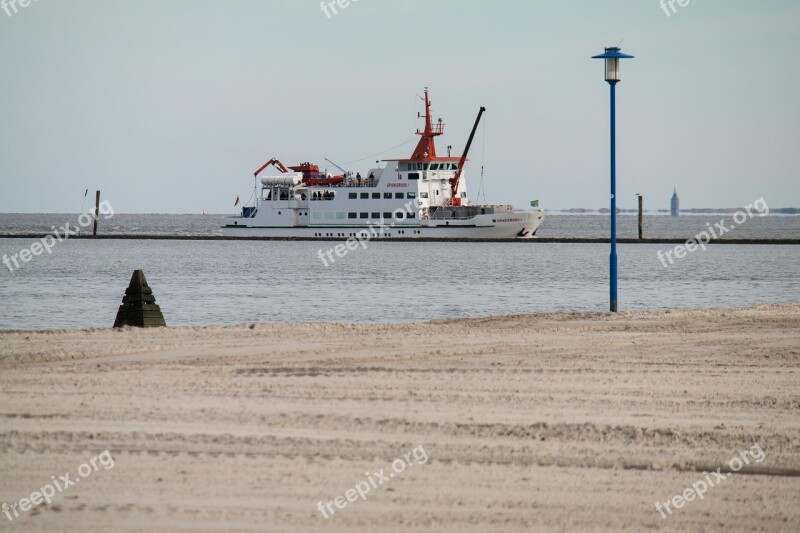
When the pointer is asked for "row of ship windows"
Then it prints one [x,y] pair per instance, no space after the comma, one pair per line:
[399,214]
[386,195]
[428,166]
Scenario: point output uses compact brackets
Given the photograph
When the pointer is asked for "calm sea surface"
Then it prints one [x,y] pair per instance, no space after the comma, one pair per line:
[223,282]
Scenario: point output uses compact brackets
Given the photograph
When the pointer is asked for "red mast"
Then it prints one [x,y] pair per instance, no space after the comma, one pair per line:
[426,148]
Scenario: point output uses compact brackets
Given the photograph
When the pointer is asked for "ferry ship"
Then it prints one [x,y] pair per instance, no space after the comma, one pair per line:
[424,196]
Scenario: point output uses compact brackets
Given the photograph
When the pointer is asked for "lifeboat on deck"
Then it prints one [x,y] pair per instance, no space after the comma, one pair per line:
[312,175]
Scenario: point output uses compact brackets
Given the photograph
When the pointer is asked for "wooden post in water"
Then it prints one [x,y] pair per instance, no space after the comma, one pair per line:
[96,213]
[641,215]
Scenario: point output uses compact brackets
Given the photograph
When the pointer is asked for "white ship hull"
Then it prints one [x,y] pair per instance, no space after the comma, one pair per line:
[519,225]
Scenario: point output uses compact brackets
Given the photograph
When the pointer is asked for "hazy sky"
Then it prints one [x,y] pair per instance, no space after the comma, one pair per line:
[169,106]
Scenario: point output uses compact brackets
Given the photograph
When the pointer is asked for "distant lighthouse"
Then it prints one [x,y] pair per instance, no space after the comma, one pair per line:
[674,204]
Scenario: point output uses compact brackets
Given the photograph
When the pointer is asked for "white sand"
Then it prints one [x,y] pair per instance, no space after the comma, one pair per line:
[549,421]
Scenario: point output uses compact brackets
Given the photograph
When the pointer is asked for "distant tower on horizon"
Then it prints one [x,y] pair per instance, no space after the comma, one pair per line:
[674,204]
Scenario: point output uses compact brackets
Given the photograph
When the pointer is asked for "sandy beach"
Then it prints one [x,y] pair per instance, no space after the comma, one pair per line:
[539,422]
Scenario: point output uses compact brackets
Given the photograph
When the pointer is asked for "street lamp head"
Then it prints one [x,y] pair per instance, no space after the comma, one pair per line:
[612,56]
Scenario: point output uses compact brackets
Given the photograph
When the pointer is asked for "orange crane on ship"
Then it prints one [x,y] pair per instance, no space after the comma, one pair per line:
[275,162]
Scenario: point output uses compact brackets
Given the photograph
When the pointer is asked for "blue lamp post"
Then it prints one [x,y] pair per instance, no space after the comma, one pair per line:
[612,56]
